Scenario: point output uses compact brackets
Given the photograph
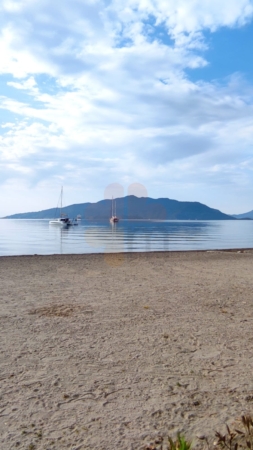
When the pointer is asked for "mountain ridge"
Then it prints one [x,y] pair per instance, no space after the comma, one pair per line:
[132,207]
[247,215]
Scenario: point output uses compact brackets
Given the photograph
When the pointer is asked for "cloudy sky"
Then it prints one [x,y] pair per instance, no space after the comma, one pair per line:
[156,92]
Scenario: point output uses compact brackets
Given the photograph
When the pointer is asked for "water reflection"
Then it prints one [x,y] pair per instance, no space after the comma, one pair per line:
[19,237]
[146,235]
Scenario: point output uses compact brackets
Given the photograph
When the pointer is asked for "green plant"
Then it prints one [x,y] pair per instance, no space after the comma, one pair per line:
[180,443]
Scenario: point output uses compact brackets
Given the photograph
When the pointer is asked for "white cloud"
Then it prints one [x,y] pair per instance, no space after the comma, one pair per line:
[29,85]
[186,16]
[95,94]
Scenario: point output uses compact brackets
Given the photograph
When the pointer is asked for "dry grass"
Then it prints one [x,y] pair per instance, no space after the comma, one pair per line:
[238,438]
[60,310]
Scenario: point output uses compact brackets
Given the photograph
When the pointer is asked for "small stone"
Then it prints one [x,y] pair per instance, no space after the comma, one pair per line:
[202,437]
[158,440]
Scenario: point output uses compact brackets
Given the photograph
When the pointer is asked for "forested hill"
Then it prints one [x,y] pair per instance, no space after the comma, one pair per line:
[131,207]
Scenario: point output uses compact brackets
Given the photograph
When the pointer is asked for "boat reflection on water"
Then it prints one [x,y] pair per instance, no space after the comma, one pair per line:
[151,235]
[104,238]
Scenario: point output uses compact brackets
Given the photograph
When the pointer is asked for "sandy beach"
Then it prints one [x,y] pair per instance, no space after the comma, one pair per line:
[112,351]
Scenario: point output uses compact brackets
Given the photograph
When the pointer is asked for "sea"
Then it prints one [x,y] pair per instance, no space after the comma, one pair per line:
[29,237]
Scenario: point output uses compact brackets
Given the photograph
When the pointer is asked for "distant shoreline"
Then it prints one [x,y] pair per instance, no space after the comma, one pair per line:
[134,220]
[155,252]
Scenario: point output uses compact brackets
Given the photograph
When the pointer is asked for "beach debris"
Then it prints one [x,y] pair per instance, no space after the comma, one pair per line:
[60,310]
[196,403]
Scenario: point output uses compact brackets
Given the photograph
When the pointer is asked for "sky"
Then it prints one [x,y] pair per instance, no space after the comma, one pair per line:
[107,97]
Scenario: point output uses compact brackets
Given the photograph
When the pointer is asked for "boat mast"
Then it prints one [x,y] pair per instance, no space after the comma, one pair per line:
[61,201]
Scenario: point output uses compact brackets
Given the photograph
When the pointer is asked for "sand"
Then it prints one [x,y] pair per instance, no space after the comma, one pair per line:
[113,351]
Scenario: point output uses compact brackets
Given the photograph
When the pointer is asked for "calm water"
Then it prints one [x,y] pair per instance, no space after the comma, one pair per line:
[27,237]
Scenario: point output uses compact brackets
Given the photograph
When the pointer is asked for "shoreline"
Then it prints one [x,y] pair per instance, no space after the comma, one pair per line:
[227,250]
[112,350]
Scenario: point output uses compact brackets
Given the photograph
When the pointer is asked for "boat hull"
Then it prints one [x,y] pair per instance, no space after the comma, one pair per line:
[60,222]
[114,219]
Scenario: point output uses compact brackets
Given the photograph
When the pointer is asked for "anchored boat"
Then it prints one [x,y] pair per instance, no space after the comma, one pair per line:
[63,220]
[114,218]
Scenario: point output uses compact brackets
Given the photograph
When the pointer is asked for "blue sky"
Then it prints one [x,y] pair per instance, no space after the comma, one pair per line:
[153,92]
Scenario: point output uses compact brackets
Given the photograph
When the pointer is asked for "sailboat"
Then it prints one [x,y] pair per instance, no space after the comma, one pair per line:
[63,220]
[114,217]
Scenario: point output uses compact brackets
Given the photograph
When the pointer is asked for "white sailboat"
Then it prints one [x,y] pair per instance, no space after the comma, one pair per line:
[63,220]
[114,218]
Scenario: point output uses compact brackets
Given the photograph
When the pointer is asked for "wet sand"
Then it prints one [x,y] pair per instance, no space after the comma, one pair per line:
[111,351]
